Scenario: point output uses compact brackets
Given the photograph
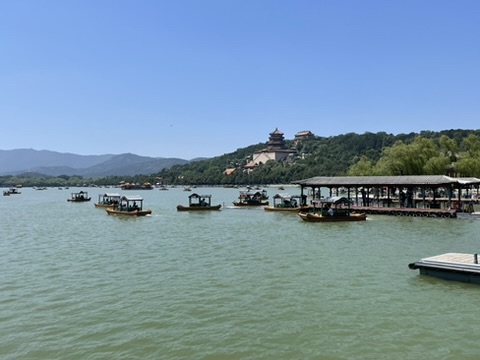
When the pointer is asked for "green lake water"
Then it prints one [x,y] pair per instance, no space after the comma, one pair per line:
[76,283]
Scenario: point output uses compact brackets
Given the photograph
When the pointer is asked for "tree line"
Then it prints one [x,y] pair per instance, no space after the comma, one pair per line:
[451,152]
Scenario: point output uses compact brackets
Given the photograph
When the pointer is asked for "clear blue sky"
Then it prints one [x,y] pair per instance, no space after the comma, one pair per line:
[189,78]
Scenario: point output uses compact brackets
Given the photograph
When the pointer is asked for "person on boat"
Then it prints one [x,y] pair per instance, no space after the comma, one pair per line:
[304,200]
[469,207]
[402,198]
[364,197]
[409,198]
[330,211]
[325,209]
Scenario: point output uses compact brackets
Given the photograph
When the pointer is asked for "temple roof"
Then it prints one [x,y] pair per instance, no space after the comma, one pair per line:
[304,133]
[276,132]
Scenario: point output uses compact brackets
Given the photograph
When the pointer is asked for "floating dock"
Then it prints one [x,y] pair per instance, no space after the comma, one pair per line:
[450,266]
[411,195]
[397,211]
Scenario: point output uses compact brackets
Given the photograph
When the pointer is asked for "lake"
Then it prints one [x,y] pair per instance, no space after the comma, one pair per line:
[243,283]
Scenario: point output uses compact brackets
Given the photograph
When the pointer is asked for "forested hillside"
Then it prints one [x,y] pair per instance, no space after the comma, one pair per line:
[343,155]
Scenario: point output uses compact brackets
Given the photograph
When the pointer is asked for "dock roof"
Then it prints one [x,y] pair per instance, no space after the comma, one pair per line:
[372,181]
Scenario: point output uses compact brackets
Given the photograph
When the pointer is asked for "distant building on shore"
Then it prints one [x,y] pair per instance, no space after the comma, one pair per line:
[303,135]
[275,151]
[229,171]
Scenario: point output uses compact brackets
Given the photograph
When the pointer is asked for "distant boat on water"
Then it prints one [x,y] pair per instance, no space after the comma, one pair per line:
[129,206]
[144,186]
[81,196]
[199,203]
[11,191]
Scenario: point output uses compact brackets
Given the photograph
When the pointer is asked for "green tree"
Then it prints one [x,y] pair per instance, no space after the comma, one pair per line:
[469,160]
[364,167]
[408,159]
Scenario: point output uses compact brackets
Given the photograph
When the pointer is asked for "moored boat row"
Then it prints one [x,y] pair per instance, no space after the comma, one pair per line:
[115,203]
[144,186]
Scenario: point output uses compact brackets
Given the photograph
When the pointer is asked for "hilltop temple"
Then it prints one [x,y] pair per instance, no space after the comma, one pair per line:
[276,149]
[303,135]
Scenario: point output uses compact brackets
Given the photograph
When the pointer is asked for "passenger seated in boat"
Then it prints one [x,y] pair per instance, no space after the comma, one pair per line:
[330,211]
[325,209]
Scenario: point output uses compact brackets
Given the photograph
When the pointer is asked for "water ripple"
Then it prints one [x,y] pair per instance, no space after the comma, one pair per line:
[235,284]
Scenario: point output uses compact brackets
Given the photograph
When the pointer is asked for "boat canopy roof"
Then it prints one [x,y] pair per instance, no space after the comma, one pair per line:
[252,192]
[335,200]
[338,200]
[199,196]
[286,196]
[111,195]
[132,198]
[468,181]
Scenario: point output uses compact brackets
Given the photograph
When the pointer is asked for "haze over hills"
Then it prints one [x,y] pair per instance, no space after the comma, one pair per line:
[51,163]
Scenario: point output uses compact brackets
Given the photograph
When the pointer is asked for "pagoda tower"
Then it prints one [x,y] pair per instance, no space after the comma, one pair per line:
[276,141]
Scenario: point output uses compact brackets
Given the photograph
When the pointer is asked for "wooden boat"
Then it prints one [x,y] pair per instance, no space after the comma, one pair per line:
[129,206]
[252,198]
[468,216]
[333,209]
[286,202]
[11,191]
[107,200]
[316,217]
[199,203]
[450,266]
[466,212]
[81,196]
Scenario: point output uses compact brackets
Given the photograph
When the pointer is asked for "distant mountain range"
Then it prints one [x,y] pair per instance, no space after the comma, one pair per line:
[51,163]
